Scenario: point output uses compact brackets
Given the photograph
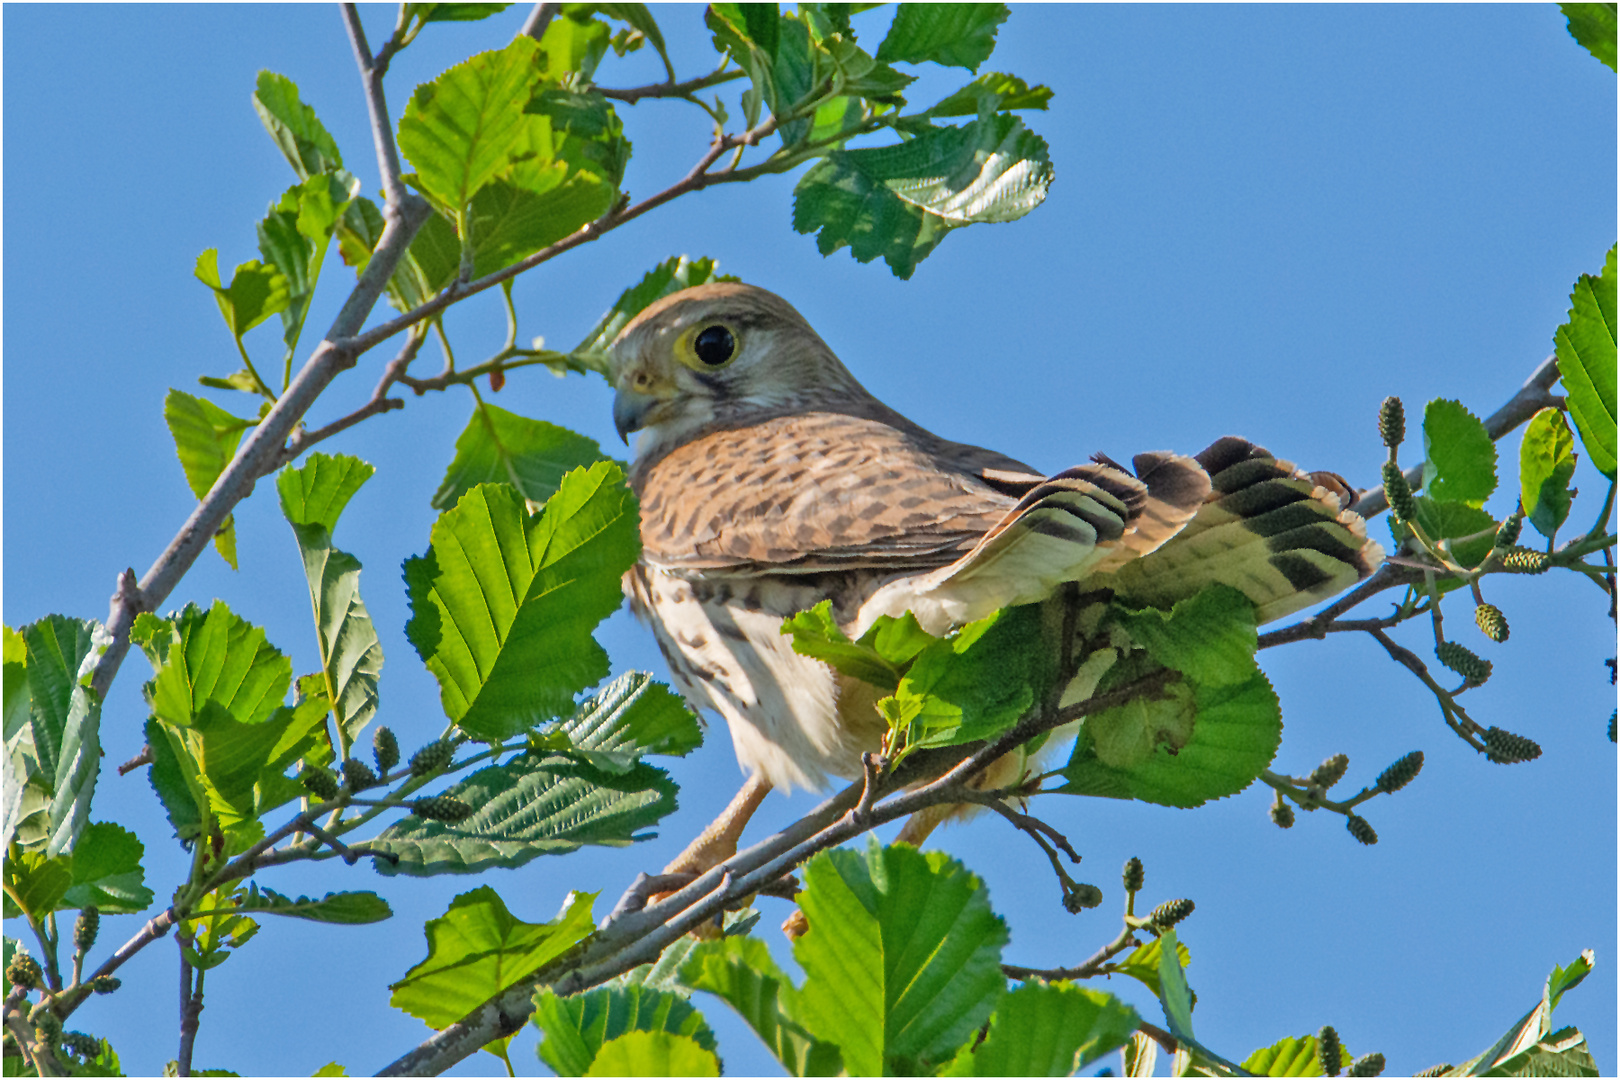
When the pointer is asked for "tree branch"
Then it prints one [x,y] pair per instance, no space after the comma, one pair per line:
[670,89]
[261,452]
[382,128]
[540,17]
[638,937]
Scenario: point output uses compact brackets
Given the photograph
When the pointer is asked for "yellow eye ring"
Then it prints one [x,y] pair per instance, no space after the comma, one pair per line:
[708,346]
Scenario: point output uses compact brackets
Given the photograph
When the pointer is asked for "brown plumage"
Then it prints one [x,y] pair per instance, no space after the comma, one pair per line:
[771,480]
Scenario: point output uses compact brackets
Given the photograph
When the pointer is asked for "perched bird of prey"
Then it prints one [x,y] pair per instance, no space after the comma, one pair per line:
[771,480]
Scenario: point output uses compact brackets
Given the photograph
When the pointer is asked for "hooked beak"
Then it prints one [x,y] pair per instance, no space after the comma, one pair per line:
[630,409]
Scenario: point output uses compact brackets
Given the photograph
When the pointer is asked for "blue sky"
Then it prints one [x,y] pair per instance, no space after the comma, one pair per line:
[1265,219]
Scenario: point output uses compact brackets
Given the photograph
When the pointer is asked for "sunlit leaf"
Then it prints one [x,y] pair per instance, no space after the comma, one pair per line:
[1460,458]
[300,136]
[990,93]
[504,602]
[1291,1057]
[347,908]
[500,447]
[1586,356]
[107,871]
[899,201]
[1546,463]
[654,1053]
[740,971]
[1593,25]
[205,438]
[575,1028]
[1043,1029]
[958,35]
[903,961]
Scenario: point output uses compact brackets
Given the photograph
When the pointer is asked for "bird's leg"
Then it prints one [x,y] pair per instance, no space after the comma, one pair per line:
[718,842]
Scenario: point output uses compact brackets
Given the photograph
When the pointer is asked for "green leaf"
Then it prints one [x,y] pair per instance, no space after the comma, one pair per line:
[575,1028]
[904,962]
[1586,356]
[817,634]
[205,438]
[1173,992]
[1453,521]
[477,949]
[293,126]
[460,129]
[573,44]
[654,1053]
[978,682]
[1460,459]
[670,276]
[900,201]
[1045,1029]
[1291,1057]
[316,492]
[1142,964]
[79,762]
[1210,637]
[1531,1047]
[1593,25]
[1236,732]
[347,908]
[107,871]
[457,12]
[293,238]
[331,1068]
[1546,463]
[36,883]
[53,747]
[503,602]
[24,795]
[533,805]
[212,657]
[499,447]
[740,971]
[630,717]
[992,92]
[172,785]
[312,497]
[957,35]
[255,293]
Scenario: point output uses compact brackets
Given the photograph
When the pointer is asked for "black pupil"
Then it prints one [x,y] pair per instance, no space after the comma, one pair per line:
[714,345]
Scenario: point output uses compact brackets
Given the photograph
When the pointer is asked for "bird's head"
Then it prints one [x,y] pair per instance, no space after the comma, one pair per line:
[721,354]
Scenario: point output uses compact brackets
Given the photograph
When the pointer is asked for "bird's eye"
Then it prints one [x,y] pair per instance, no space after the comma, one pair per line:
[714,345]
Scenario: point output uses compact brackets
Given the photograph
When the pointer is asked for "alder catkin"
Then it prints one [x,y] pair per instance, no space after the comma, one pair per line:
[1398,492]
[385,748]
[442,808]
[1392,422]
[1506,748]
[1367,1065]
[431,758]
[1331,771]
[1491,622]
[358,775]
[85,929]
[319,782]
[1360,829]
[1459,659]
[1401,773]
[1135,875]
[1329,1057]
[1170,912]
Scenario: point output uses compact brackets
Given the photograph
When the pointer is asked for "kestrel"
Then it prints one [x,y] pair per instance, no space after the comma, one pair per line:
[771,480]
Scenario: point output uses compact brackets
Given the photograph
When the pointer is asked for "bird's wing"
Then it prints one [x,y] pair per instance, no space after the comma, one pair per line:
[1283,537]
[821,491]
[1082,522]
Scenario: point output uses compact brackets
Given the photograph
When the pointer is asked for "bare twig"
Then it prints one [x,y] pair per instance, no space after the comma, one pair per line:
[1456,718]
[380,402]
[1165,1040]
[670,89]
[382,127]
[1092,967]
[540,17]
[190,1013]
[142,758]
[872,766]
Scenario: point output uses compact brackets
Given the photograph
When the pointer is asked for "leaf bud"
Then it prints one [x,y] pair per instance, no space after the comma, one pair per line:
[319,781]
[1329,1057]
[1401,773]
[442,808]
[1367,1065]
[1506,748]
[1507,534]
[1360,829]
[1282,815]
[385,748]
[1170,912]
[1523,560]
[1135,875]
[1492,623]
[358,775]
[1392,422]
[84,1046]
[1331,771]
[24,971]
[1398,492]
[85,928]
[47,1025]
[1080,897]
[105,984]
[1459,659]
[431,758]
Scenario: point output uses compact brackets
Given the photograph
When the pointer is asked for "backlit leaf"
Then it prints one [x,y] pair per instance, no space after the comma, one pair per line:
[1546,463]
[1586,357]
[654,1053]
[500,447]
[741,972]
[1460,458]
[347,908]
[107,872]
[300,136]
[1593,25]
[1048,1029]
[576,1027]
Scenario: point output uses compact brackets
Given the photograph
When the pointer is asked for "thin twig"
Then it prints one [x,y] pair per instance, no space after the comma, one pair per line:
[382,127]
[190,1014]
[1092,967]
[872,766]
[670,89]
[379,403]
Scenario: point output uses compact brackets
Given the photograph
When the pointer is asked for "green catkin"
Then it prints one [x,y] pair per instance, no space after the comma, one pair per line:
[431,758]
[1392,422]
[358,775]
[1134,875]
[1491,622]
[1360,829]
[442,808]
[1331,771]
[1463,662]
[1170,912]
[24,971]
[1367,1065]
[319,782]
[1523,560]
[1329,1057]
[1401,773]
[1507,534]
[1282,814]
[85,929]
[385,748]
[1398,492]
[1506,748]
